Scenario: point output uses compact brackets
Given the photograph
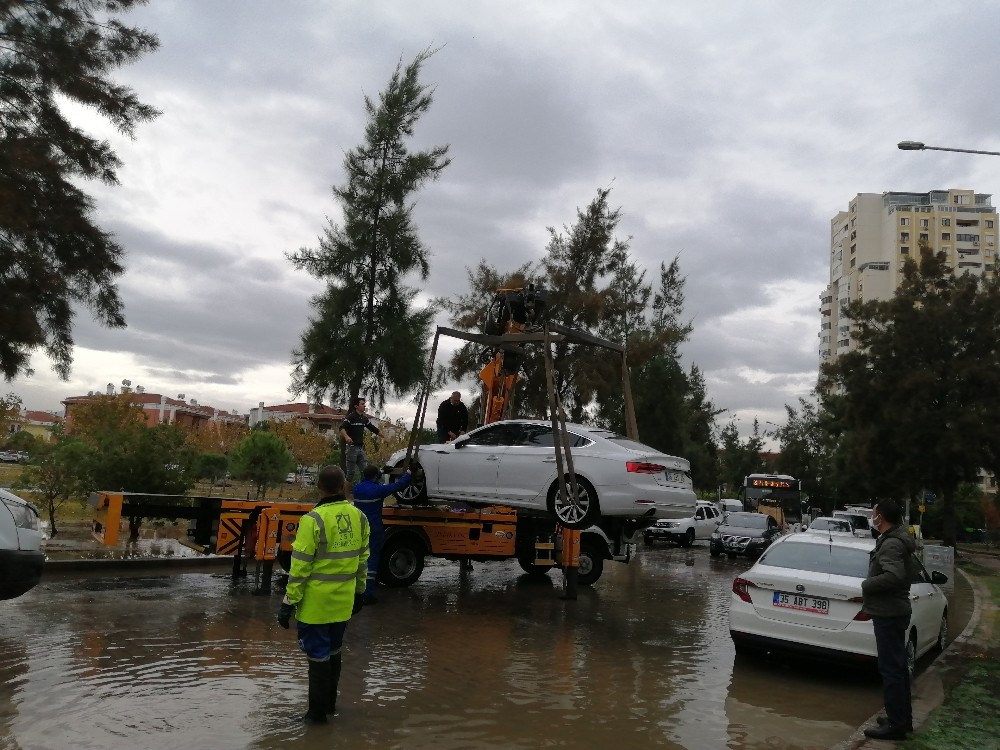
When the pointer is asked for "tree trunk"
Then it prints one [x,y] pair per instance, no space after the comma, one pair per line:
[52,520]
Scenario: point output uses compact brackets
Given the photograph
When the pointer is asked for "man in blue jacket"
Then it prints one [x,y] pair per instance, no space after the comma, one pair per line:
[369,495]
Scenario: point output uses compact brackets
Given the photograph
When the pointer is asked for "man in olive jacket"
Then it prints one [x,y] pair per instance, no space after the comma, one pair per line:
[325,587]
[886,597]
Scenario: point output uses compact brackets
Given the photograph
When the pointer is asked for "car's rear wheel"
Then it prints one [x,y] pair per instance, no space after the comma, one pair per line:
[591,564]
[648,540]
[911,653]
[942,639]
[688,539]
[402,561]
[415,493]
[577,512]
[713,552]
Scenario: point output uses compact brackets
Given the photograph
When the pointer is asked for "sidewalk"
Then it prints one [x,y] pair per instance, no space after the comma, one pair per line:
[977,643]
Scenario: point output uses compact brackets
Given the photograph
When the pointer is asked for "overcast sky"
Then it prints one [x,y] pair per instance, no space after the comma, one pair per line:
[730,132]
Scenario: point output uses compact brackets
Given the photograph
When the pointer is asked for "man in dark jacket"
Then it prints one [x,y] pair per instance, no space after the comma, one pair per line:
[369,495]
[886,595]
[352,430]
[452,419]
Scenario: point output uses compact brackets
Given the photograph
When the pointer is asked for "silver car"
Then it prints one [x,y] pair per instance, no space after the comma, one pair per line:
[513,463]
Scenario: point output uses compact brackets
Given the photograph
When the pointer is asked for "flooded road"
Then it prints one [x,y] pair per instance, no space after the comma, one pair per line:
[483,659]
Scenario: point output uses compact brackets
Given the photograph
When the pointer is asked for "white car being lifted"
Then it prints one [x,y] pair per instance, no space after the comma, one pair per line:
[21,558]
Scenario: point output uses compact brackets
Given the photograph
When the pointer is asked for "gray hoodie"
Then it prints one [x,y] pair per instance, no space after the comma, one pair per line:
[886,590]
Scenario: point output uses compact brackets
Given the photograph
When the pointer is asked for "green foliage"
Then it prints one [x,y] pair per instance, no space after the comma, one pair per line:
[915,405]
[136,458]
[805,454]
[59,472]
[53,257]
[22,440]
[212,466]
[738,458]
[366,336]
[263,458]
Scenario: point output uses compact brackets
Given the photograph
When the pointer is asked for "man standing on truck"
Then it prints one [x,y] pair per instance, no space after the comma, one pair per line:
[369,495]
[352,429]
[326,586]
[886,595]
[452,418]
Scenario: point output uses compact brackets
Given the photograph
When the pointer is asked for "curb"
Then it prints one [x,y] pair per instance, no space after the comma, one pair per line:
[132,563]
[926,693]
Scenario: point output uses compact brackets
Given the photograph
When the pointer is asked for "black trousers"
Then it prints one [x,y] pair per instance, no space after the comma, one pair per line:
[890,642]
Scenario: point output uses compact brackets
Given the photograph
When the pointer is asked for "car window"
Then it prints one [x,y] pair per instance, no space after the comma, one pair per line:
[920,574]
[700,514]
[818,558]
[498,435]
[749,520]
[541,436]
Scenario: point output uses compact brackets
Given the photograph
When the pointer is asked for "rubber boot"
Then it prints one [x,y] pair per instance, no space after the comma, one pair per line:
[319,692]
[335,662]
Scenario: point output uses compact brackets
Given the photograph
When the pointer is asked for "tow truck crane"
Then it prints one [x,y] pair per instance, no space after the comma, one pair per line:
[497,532]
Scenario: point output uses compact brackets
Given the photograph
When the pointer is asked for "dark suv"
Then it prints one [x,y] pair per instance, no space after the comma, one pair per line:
[746,534]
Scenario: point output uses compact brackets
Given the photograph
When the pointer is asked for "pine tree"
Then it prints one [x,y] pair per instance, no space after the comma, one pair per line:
[366,337]
[53,256]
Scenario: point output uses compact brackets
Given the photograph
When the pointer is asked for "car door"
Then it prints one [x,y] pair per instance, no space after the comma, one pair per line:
[927,604]
[467,468]
[708,523]
[528,467]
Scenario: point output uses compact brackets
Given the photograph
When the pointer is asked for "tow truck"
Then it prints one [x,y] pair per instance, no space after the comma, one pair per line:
[539,542]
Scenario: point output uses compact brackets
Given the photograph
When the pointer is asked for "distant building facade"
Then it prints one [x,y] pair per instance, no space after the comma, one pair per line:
[160,409]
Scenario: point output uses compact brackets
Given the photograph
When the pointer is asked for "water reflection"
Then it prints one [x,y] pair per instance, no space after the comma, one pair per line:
[483,659]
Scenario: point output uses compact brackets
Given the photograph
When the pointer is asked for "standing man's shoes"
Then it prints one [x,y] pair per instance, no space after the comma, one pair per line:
[887,732]
[883,720]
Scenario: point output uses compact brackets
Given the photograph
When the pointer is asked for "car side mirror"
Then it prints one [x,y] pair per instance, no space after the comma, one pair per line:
[458,444]
[938,577]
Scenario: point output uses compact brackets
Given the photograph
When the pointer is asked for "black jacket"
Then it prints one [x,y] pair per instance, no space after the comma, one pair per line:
[452,417]
[354,425]
[886,590]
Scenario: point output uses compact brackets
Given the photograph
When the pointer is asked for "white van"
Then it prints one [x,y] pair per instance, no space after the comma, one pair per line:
[21,558]
[728,505]
[860,518]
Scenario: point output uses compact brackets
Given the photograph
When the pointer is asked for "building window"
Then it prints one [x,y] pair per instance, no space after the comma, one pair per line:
[989,223]
[923,237]
[903,221]
[904,236]
[853,249]
[904,250]
[961,200]
[854,262]
[946,235]
[946,222]
[923,223]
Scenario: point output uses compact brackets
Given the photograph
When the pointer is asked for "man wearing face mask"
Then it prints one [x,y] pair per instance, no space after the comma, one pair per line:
[886,597]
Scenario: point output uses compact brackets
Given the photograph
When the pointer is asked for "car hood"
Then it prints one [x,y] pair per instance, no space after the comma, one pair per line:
[741,531]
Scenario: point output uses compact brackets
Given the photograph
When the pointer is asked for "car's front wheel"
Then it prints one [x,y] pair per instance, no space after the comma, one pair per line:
[688,538]
[415,493]
[574,512]
[942,639]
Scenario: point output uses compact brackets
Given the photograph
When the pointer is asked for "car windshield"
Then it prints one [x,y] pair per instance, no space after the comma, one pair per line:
[858,522]
[747,520]
[818,558]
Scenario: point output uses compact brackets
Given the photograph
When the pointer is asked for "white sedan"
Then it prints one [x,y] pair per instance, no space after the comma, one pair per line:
[513,463]
[804,596]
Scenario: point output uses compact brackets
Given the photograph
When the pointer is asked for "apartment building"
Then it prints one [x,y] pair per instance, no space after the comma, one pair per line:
[871,239]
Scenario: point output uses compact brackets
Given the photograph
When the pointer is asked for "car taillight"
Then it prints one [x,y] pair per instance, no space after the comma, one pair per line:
[741,587]
[860,616]
[641,467]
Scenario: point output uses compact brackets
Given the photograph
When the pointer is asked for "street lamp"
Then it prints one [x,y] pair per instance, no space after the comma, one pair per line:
[918,146]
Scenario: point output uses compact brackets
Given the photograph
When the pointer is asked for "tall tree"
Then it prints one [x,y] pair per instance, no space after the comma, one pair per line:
[263,458]
[737,457]
[366,337]
[805,454]
[59,472]
[52,254]
[917,400]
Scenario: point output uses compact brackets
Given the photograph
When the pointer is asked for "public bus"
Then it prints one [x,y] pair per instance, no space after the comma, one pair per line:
[775,495]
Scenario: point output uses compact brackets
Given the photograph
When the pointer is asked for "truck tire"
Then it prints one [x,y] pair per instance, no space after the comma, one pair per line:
[402,561]
[528,566]
[574,515]
[591,564]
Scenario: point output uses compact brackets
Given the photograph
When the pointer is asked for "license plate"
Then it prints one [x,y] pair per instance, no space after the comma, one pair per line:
[673,476]
[802,603]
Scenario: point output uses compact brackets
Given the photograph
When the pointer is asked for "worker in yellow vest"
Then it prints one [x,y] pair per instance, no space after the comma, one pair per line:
[326,585]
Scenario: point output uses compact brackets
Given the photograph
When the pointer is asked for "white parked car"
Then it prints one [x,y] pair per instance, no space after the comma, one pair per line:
[685,531]
[860,519]
[21,558]
[513,463]
[804,596]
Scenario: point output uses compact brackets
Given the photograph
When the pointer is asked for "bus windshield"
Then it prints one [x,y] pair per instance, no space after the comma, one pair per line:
[776,495]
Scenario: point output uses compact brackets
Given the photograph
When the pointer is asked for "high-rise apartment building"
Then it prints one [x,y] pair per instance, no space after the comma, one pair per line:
[871,239]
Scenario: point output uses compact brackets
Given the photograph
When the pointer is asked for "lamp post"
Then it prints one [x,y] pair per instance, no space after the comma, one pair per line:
[918,146]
